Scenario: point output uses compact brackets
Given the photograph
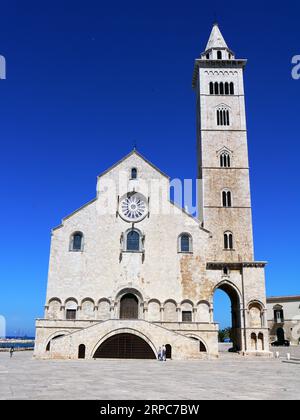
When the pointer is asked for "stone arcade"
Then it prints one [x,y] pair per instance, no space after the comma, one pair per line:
[130,271]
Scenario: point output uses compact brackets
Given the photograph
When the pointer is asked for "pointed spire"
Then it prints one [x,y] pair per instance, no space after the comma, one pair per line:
[216,39]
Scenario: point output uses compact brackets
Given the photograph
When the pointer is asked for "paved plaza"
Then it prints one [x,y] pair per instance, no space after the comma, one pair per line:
[229,377]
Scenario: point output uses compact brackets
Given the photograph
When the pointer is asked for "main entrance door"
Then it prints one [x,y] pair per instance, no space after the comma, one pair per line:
[125,346]
[129,307]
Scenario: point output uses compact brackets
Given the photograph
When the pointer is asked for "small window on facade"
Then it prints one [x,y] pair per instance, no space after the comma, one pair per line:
[185,243]
[133,173]
[225,271]
[211,88]
[186,316]
[226,198]
[221,88]
[219,55]
[76,242]
[133,241]
[278,316]
[207,56]
[71,314]
[228,240]
[231,87]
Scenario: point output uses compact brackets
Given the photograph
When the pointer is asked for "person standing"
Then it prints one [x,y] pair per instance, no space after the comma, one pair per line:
[164,353]
[159,354]
[11,352]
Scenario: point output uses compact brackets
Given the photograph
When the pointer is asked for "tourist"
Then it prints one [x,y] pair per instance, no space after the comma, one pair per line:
[164,353]
[159,354]
[11,352]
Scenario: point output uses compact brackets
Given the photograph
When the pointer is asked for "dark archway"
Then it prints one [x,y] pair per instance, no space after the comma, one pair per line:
[81,351]
[129,307]
[280,334]
[236,323]
[202,347]
[168,351]
[125,346]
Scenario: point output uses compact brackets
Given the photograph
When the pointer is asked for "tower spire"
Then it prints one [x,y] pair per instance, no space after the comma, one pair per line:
[216,39]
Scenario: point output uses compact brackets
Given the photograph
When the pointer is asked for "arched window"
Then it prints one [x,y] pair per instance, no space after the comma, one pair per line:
[226,88]
[227,118]
[211,88]
[225,160]
[231,88]
[219,55]
[133,241]
[216,88]
[71,309]
[76,242]
[226,198]
[133,173]
[185,243]
[278,314]
[221,88]
[228,240]
[207,56]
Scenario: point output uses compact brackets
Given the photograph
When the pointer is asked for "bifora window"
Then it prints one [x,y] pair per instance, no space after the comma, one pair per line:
[226,198]
[228,240]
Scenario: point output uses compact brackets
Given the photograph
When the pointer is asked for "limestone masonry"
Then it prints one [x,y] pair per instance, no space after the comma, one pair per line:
[130,271]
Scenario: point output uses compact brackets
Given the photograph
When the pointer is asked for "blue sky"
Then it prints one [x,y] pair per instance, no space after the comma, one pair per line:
[85,80]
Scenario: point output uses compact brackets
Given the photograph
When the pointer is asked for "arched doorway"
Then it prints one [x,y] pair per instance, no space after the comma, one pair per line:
[125,346]
[168,351]
[81,351]
[233,311]
[129,307]
[280,334]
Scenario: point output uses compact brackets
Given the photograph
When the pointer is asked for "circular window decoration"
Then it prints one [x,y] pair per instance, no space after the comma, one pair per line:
[133,207]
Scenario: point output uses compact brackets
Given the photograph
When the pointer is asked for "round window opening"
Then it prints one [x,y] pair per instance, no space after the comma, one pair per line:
[133,207]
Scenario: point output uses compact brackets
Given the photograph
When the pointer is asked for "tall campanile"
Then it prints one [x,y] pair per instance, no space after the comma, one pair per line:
[224,204]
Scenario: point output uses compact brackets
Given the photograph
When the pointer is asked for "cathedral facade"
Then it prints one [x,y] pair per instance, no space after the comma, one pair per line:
[131,271]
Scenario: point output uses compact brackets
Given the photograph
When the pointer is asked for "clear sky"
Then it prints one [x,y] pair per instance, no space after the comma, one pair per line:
[86,79]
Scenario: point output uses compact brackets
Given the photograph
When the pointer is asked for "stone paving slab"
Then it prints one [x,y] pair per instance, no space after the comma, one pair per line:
[230,377]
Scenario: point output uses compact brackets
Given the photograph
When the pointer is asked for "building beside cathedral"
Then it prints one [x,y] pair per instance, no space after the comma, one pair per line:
[130,271]
[284,319]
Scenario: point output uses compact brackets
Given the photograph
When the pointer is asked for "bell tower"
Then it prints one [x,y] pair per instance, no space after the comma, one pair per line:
[224,204]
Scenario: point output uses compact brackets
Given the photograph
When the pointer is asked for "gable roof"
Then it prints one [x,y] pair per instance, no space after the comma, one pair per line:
[133,152]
